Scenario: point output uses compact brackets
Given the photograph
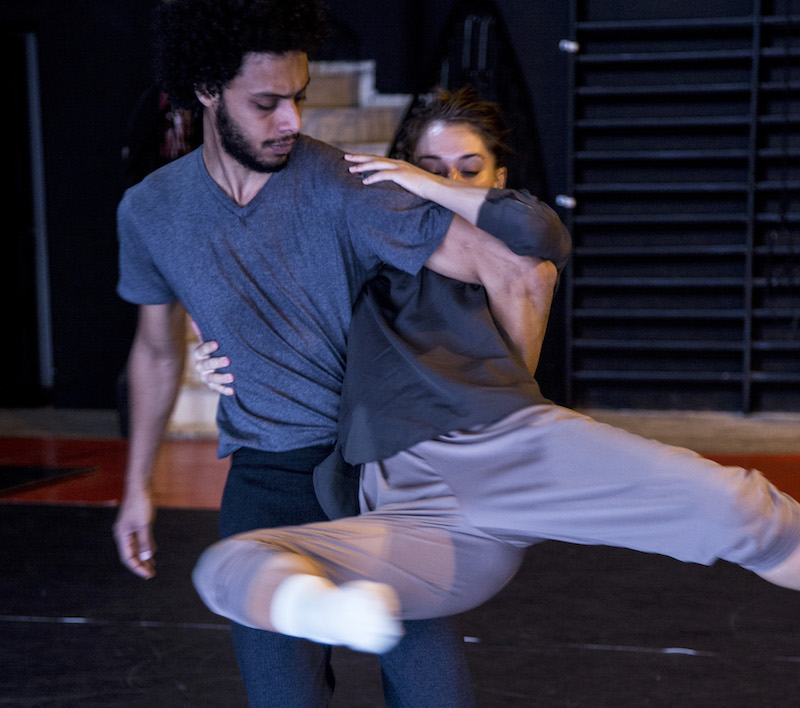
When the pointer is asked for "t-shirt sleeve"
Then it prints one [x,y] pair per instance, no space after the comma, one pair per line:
[399,228]
[526,225]
[140,280]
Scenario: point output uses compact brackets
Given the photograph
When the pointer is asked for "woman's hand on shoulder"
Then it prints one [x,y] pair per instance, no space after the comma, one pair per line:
[381,169]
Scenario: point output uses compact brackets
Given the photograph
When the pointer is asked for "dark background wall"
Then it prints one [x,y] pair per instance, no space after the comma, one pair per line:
[94,64]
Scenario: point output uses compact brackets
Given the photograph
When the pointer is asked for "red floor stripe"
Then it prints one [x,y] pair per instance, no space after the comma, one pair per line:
[189,475]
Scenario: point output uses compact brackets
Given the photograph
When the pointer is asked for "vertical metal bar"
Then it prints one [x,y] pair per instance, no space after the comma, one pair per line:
[569,297]
[752,205]
[483,44]
[466,47]
[44,313]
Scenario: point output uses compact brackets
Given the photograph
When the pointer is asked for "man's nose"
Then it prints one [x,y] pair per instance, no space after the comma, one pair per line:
[290,117]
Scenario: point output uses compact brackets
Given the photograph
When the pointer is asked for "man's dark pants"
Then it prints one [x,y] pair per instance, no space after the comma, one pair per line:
[426,670]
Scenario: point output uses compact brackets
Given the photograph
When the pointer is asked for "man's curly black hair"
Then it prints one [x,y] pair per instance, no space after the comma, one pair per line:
[201,43]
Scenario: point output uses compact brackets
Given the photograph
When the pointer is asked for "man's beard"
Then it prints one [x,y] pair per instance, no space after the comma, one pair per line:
[235,144]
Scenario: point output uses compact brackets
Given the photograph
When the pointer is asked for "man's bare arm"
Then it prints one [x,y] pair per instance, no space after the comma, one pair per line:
[155,366]
[520,303]
[520,288]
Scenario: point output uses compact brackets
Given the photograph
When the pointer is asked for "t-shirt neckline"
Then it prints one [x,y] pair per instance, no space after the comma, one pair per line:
[222,197]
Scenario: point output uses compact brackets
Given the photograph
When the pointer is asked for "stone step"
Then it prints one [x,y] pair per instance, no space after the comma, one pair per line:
[347,126]
[345,110]
[331,88]
[338,84]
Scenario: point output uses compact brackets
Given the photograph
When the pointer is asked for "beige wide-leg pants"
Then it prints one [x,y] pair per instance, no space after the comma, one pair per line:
[447,521]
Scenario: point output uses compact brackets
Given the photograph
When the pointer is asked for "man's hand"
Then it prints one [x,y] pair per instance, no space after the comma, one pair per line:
[133,534]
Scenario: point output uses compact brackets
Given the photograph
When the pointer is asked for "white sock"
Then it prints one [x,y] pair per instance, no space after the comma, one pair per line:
[361,614]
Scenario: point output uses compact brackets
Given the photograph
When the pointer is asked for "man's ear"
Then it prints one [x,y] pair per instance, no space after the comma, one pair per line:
[205,96]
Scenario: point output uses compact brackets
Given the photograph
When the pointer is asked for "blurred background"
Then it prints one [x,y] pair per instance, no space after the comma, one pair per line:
[665,135]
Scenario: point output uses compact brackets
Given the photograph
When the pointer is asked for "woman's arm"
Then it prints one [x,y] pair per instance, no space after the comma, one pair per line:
[460,198]
[523,222]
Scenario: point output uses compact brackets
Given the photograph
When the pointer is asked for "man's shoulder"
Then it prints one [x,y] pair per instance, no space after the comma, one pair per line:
[164,186]
[323,167]
[319,159]
[313,148]
[173,174]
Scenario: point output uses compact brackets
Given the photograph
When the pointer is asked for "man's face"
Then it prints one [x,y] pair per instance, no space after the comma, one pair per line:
[258,115]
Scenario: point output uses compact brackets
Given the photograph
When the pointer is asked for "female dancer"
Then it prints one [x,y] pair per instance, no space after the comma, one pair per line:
[463,463]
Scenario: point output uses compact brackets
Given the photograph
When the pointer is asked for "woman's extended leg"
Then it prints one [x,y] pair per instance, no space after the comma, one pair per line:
[416,543]
[549,472]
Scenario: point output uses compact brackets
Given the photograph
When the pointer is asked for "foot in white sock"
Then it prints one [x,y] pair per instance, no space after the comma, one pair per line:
[362,615]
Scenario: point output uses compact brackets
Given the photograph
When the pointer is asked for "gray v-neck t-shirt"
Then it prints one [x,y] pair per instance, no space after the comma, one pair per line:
[273,281]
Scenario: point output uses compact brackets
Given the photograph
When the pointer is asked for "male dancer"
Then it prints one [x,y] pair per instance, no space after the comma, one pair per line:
[266,241]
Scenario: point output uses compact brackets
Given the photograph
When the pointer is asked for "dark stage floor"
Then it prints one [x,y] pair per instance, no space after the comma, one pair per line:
[579,626]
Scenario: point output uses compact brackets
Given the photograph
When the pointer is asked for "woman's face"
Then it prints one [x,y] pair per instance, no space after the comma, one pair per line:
[456,151]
